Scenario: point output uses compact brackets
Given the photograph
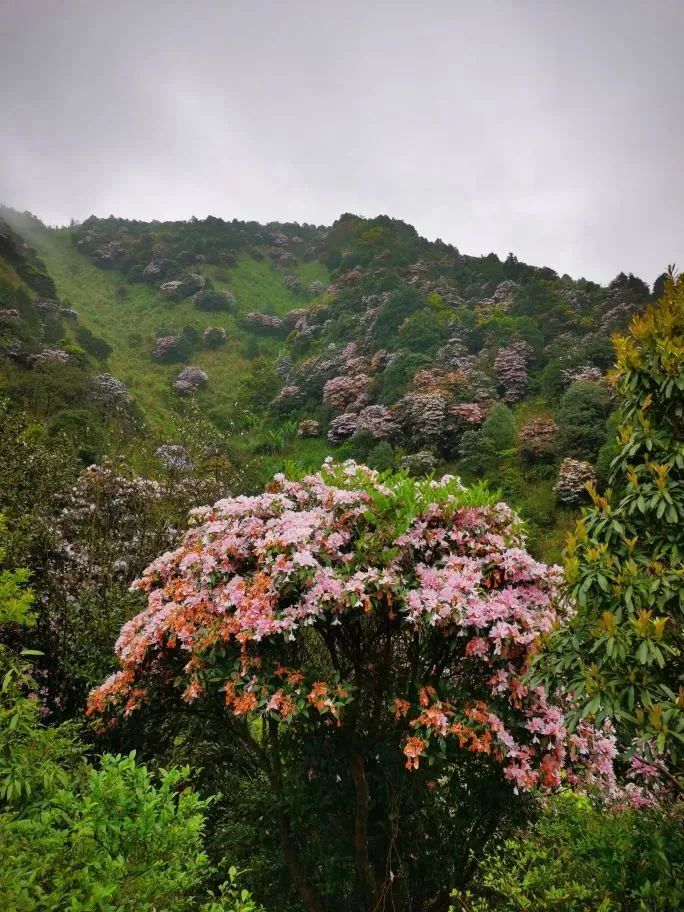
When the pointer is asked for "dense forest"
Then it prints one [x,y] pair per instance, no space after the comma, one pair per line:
[283,621]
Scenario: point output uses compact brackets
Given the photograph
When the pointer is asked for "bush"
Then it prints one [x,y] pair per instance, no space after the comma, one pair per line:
[73,836]
[577,858]
[397,374]
[581,418]
[92,344]
[623,655]
[399,305]
[382,457]
[422,331]
[498,429]
[361,634]
[209,300]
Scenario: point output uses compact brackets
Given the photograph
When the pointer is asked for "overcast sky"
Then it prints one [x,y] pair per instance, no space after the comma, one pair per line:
[551,129]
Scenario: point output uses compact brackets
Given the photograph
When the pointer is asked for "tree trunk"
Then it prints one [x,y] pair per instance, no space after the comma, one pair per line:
[363,866]
[310,898]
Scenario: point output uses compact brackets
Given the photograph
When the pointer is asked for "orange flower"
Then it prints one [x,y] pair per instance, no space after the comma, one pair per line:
[245,703]
[320,699]
[478,712]
[401,707]
[425,694]
[413,749]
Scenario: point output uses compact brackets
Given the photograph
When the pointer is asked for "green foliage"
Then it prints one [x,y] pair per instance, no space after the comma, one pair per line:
[399,305]
[622,658]
[423,330]
[498,429]
[396,376]
[382,457]
[581,419]
[33,468]
[110,838]
[213,301]
[259,385]
[91,343]
[82,429]
[15,598]
[76,837]
[577,858]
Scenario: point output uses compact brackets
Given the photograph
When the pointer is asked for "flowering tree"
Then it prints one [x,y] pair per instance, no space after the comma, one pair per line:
[469,413]
[510,370]
[365,638]
[342,426]
[537,439]
[289,398]
[308,427]
[190,379]
[423,416]
[573,477]
[350,389]
[377,421]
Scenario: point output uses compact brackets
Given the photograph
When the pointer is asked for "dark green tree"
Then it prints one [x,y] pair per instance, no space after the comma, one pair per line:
[623,656]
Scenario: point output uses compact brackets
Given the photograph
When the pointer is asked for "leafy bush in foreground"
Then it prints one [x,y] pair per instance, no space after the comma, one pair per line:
[623,653]
[77,837]
[577,858]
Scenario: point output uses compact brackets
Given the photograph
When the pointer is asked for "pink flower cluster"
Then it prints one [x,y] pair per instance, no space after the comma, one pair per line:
[258,578]
[470,412]
[510,369]
[350,389]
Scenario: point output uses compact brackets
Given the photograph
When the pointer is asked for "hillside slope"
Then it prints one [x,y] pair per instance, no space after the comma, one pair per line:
[362,339]
[130,315]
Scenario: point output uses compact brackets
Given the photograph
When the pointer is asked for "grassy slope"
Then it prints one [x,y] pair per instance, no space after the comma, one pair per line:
[129,326]
[129,323]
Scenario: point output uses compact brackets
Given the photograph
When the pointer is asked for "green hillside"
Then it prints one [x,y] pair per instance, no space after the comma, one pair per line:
[359,340]
[128,315]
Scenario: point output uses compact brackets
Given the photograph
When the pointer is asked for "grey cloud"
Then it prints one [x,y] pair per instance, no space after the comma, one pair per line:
[552,130]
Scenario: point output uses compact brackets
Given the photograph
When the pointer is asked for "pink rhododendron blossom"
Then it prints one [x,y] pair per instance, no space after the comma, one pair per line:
[322,593]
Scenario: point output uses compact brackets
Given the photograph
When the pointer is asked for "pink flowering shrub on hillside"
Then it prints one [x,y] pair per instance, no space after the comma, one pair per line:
[378,615]
[510,370]
[347,390]
[256,569]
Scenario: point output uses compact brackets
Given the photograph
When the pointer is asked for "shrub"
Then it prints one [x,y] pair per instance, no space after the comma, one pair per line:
[190,380]
[581,418]
[214,301]
[537,439]
[382,457]
[214,336]
[73,836]
[364,636]
[510,370]
[92,344]
[498,429]
[577,857]
[399,305]
[168,349]
[398,374]
[573,477]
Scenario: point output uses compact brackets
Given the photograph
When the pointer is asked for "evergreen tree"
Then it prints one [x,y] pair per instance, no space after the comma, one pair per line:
[498,430]
[623,656]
